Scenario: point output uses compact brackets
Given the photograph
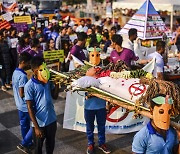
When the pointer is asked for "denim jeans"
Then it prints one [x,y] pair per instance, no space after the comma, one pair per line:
[101,121]
[26,129]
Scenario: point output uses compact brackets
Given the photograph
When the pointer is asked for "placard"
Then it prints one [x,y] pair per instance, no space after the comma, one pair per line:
[14,42]
[22,19]
[54,55]
[20,27]
[7,16]
[42,22]
[5,25]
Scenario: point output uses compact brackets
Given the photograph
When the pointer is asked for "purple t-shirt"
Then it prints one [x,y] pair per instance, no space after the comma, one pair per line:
[78,52]
[33,53]
[125,55]
[23,49]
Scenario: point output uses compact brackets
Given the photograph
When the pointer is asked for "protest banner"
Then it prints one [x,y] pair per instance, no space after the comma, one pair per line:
[21,27]
[9,5]
[7,16]
[118,121]
[23,19]
[54,55]
[42,22]
[13,42]
[5,25]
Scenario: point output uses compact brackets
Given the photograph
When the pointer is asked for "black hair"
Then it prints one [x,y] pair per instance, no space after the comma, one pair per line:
[96,18]
[106,35]
[159,45]
[56,28]
[81,36]
[153,104]
[36,62]
[22,39]
[88,20]
[82,20]
[113,28]
[25,56]
[178,20]
[35,42]
[132,32]
[1,32]
[117,39]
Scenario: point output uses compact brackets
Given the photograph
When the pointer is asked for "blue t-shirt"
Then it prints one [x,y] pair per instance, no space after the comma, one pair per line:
[148,141]
[94,103]
[19,79]
[40,95]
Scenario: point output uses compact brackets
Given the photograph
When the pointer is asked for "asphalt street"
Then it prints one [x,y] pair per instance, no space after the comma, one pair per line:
[67,141]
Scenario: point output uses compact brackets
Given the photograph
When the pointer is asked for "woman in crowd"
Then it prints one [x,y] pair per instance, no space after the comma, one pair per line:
[12,41]
[50,45]
[24,44]
[35,48]
[5,62]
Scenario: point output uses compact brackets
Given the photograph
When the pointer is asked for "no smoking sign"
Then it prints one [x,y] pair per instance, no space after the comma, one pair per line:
[137,89]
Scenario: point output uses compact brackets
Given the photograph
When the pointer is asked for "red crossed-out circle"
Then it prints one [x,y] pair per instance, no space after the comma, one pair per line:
[113,109]
[137,89]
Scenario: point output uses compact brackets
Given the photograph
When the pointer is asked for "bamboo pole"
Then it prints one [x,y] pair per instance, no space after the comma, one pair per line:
[131,108]
[119,101]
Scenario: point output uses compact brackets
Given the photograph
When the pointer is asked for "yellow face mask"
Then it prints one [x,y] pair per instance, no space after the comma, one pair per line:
[43,73]
[162,113]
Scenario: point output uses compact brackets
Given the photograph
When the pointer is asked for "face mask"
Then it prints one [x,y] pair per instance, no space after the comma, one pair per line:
[43,73]
[94,56]
[162,113]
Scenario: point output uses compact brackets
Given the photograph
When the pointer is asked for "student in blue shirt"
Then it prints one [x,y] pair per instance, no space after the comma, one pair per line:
[158,137]
[38,95]
[95,107]
[19,79]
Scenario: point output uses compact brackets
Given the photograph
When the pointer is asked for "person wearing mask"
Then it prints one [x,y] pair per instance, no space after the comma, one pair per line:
[158,137]
[160,50]
[38,95]
[120,53]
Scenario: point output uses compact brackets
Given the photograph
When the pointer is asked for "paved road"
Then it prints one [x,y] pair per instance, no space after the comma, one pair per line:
[67,141]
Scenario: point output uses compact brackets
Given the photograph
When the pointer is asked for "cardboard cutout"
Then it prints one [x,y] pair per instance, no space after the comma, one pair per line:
[43,73]
[162,113]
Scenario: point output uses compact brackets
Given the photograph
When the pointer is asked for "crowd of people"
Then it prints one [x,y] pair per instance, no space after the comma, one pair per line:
[34,97]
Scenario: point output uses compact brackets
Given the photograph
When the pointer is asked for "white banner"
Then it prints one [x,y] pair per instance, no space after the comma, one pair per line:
[119,121]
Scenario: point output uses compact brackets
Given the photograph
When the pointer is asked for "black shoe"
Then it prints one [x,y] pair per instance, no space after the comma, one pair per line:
[90,149]
[23,149]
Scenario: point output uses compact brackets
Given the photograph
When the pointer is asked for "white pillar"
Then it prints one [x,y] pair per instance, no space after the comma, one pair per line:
[171,19]
[89,6]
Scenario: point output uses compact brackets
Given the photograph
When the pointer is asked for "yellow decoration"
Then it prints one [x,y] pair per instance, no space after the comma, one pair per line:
[149,76]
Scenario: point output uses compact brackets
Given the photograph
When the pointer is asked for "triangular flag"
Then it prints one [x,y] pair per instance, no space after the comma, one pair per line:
[150,67]
[148,23]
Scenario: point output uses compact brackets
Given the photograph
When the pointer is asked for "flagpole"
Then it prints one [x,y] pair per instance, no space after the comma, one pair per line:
[147,7]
